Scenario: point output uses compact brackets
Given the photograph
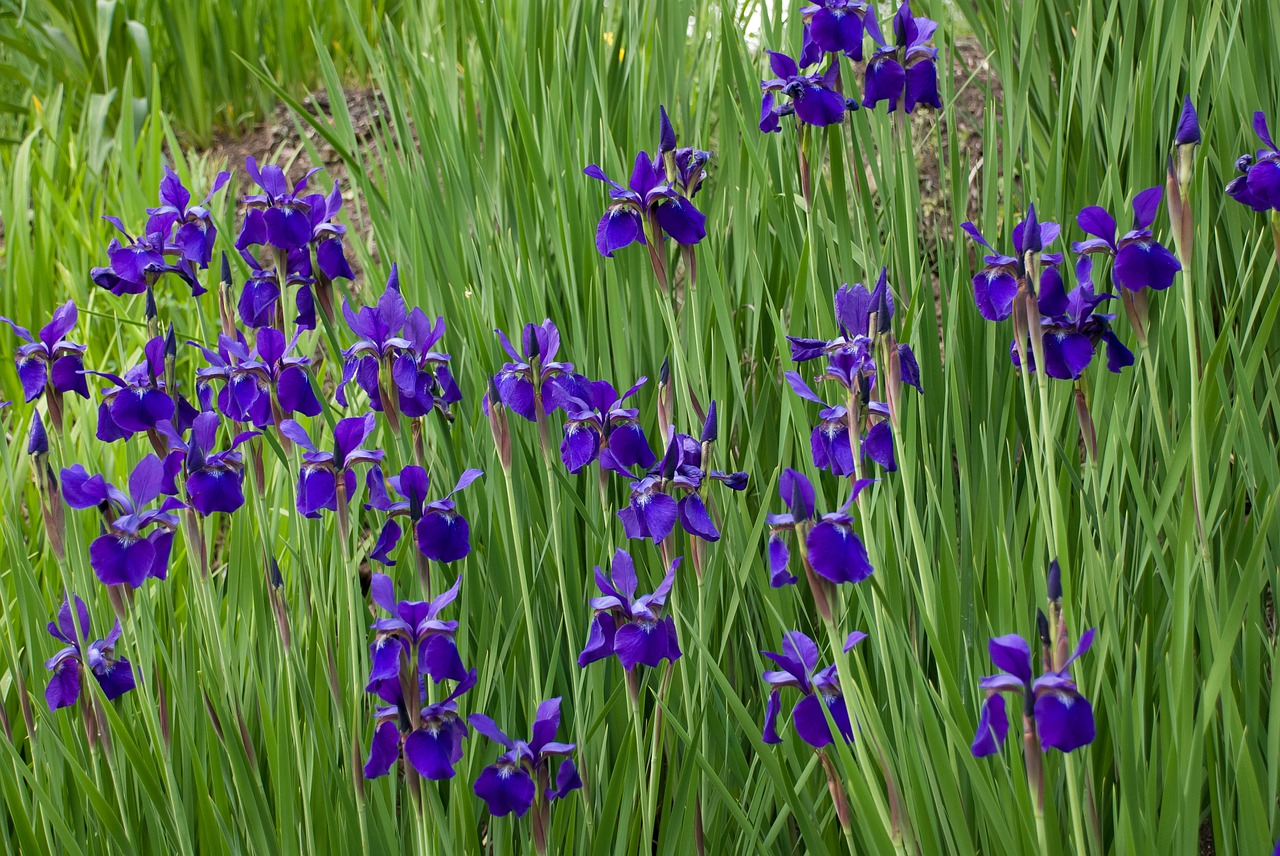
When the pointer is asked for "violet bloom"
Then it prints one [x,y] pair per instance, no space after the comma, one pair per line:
[431,739]
[1258,184]
[685,165]
[633,628]
[597,423]
[833,26]
[139,262]
[1063,719]
[652,510]
[318,486]
[522,775]
[1073,329]
[798,668]
[522,383]
[813,98]
[414,641]
[258,305]
[905,71]
[214,480]
[50,363]
[1140,260]
[1188,131]
[442,534]
[649,201]
[280,215]
[832,549]
[422,375]
[138,401]
[380,344]
[113,674]
[262,385]
[996,285]
[196,233]
[125,552]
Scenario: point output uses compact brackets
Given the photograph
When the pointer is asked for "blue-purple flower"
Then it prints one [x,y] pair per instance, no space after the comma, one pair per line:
[1072,328]
[196,233]
[113,674]
[380,344]
[214,480]
[1188,130]
[1140,260]
[685,166]
[996,285]
[415,641]
[138,401]
[832,549]
[1258,184]
[135,541]
[422,375]
[442,534]
[905,71]
[262,385]
[814,99]
[259,304]
[652,202]
[798,668]
[522,775]
[318,485]
[833,26]
[597,423]
[1062,718]
[633,628]
[279,216]
[430,736]
[523,383]
[51,364]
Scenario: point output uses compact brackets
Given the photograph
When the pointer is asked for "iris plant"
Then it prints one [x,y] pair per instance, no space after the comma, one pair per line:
[51,364]
[598,425]
[798,669]
[327,479]
[833,26]
[415,641]
[428,735]
[261,385]
[441,533]
[905,72]
[214,480]
[632,628]
[1258,184]
[113,674]
[139,400]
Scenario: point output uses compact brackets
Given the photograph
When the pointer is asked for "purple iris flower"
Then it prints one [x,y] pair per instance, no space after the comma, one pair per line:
[649,199]
[318,480]
[279,216]
[906,71]
[196,233]
[214,480]
[798,668]
[522,775]
[114,674]
[139,401]
[653,510]
[1258,184]
[135,264]
[522,383]
[431,741]
[1063,718]
[832,549]
[422,375]
[633,628]
[262,385]
[443,535]
[597,423]
[1188,131]
[685,165]
[125,552]
[414,641]
[996,285]
[1140,260]
[259,301]
[51,363]
[833,26]
[1073,329]
[815,99]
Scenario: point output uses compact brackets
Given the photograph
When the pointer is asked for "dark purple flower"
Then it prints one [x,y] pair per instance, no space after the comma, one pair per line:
[633,628]
[1062,717]
[996,285]
[262,385]
[523,382]
[51,363]
[798,668]
[196,233]
[139,262]
[1258,184]
[906,71]
[125,552]
[832,549]
[443,534]
[138,400]
[597,423]
[652,200]
[318,486]
[522,775]
[421,374]
[259,301]
[834,26]
[280,216]
[414,641]
[214,480]
[1072,329]
[1188,133]
[815,99]
[1140,260]
[113,674]
[431,740]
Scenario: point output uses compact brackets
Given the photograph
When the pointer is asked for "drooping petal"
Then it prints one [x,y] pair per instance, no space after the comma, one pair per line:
[444,536]
[580,446]
[810,722]
[779,555]
[115,677]
[885,79]
[1145,264]
[774,706]
[1064,720]
[64,685]
[388,538]
[120,560]
[438,658]
[682,221]
[993,292]
[620,227]
[505,789]
[317,490]
[922,86]
[993,727]
[837,553]
[641,643]
[384,749]
[599,640]
[695,518]
[430,752]
[878,446]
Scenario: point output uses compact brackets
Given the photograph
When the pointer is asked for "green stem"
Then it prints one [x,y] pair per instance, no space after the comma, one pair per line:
[525,598]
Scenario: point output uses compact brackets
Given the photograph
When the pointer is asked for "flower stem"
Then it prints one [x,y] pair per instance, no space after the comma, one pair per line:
[637,726]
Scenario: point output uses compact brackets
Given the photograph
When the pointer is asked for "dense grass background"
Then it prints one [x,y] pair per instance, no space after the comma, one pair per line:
[472,182]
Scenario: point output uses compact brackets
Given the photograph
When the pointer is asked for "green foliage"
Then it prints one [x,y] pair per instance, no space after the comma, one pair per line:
[472,183]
